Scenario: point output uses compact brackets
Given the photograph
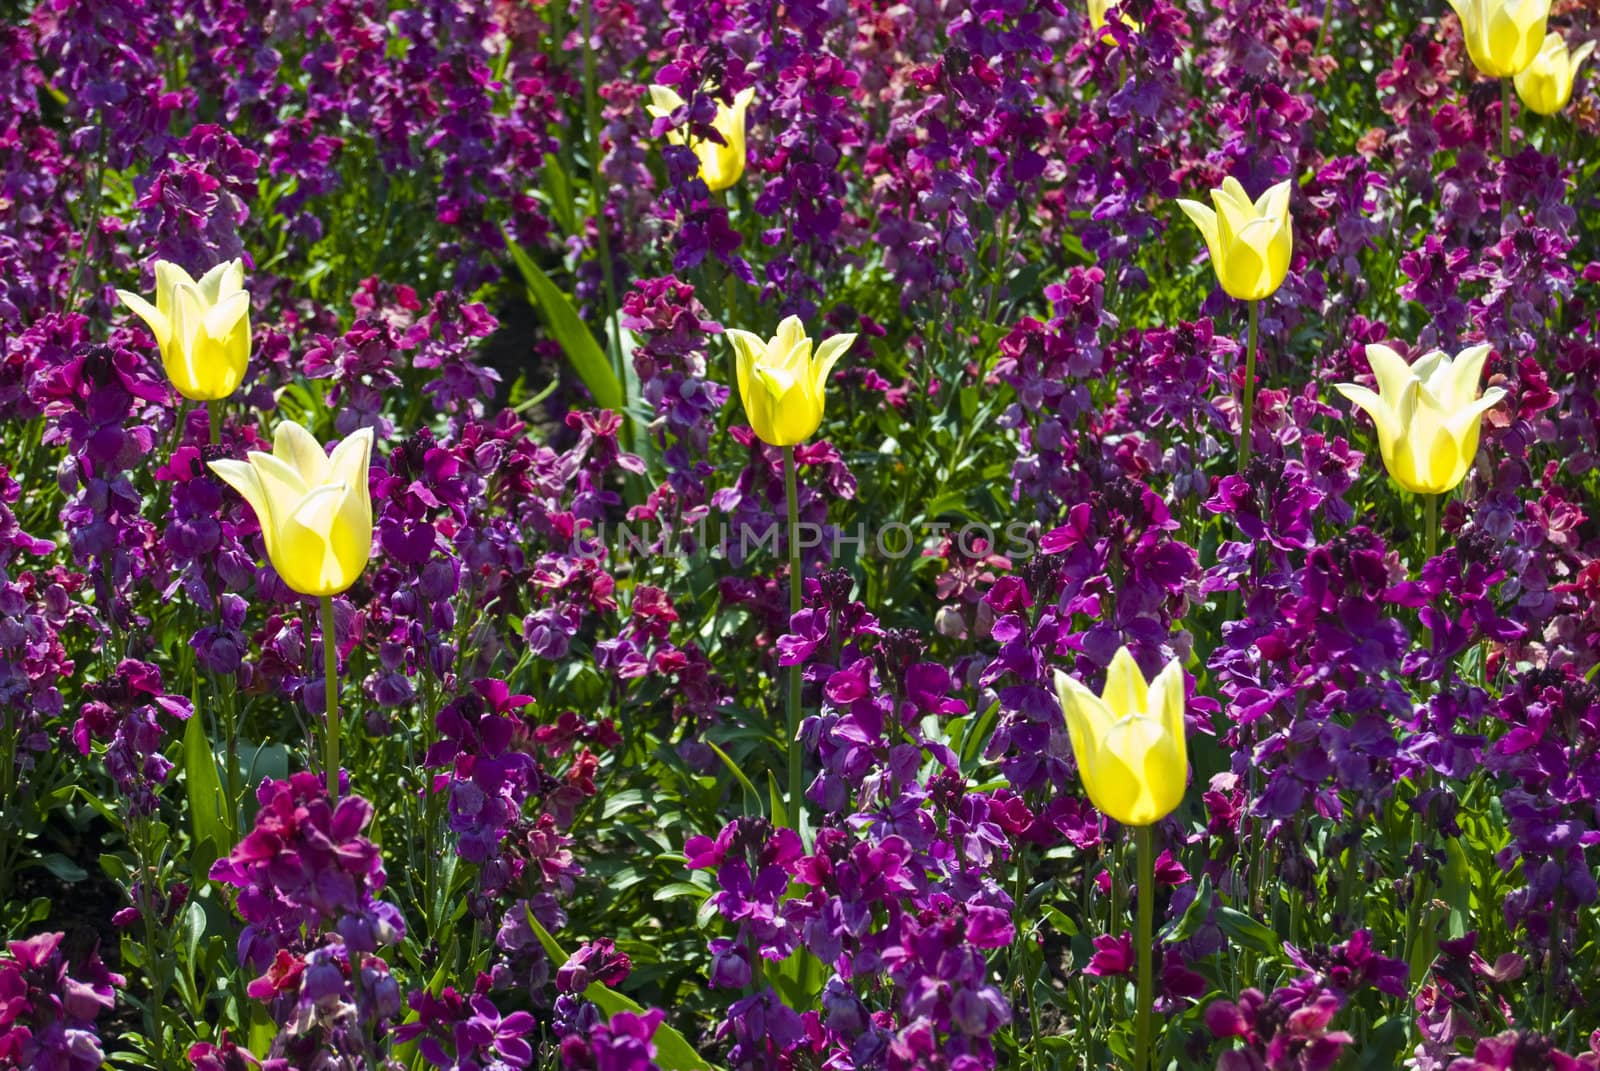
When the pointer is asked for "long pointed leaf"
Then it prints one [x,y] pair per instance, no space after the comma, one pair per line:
[570,332]
[673,1051]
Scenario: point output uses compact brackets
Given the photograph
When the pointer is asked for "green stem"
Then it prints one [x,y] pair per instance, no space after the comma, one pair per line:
[1430,526]
[214,419]
[597,202]
[1550,1017]
[1322,31]
[1249,388]
[792,494]
[96,195]
[230,711]
[1145,838]
[330,675]
[1505,119]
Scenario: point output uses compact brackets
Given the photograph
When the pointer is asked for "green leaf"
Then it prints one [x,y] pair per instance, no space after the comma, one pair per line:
[1456,887]
[569,331]
[1194,916]
[780,813]
[558,193]
[205,796]
[673,1051]
[1248,932]
[679,889]
[738,774]
[63,868]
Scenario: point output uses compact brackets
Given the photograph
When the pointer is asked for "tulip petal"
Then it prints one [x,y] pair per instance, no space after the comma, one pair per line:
[791,332]
[221,318]
[153,317]
[299,449]
[351,458]
[1167,699]
[1390,370]
[284,485]
[1119,778]
[1274,204]
[1206,220]
[777,381]
[1166,776]
[1465,370]
[319,507]
[1468,415]
[188,319]
[1245,272]
[214,285]
[1383,418]
[243,478]
[168,277]
[1088,718]
[664,100]
[350,538]
[1126,691]
[827,355]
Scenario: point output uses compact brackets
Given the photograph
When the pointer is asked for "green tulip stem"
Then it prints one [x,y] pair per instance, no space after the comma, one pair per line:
[1430,526]
[1144,837]
[792,745]
[1322,31]
[1505,118]
[214,418]
[1249,388]
[330,680]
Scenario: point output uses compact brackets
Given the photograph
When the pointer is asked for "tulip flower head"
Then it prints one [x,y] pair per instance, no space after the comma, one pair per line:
[315,510]
[720,165]
[1546,85]
[1129,741]
[1502,36]
[782,382]
[1250,242]
[1098,20]
[203,328]
[1427,414]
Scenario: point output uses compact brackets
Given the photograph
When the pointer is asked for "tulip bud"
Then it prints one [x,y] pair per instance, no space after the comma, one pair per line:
[1546,85]
[1250,243]
[1427,414]
[720,165]
[1099,21]
[203,328]
[1129,741]
[782,382]
[315,511]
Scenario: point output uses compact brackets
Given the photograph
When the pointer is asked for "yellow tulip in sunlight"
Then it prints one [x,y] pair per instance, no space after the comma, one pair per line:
[1129,741]
[1546,85]
[1427,414]
[315,511]
[782,382]
[720,165]
[1250,242]
[1502,36]
[203,328]
[1098,21]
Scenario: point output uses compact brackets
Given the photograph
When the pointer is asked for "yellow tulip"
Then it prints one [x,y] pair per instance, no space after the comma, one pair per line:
[1502,36]
[720,165]
[1098,21]
[1427,414]
[315,511]
[1546,85]
[1250,243]
[203,328]
[1129,741]
[782,382]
